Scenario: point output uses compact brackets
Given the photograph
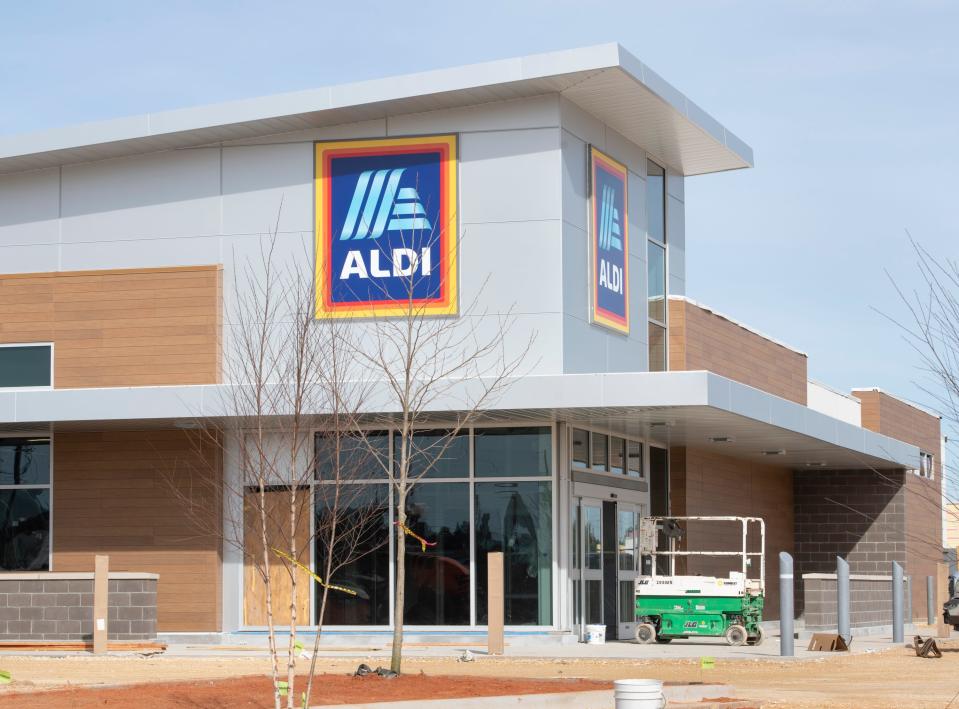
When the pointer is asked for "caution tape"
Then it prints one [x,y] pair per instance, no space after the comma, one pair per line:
[409,532]
[316,577]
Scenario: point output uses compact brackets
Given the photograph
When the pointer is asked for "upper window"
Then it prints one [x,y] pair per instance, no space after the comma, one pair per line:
[513,451]
[656,201]
[24,504]
[656,264]
[26,366]
[926,462]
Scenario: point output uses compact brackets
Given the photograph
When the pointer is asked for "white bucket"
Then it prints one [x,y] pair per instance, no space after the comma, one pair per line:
[639,694]
[596,634]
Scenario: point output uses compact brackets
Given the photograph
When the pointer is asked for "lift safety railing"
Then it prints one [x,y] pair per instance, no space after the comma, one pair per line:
[745,554]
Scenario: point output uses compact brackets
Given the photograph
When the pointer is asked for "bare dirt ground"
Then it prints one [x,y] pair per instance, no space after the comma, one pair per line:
[894,678]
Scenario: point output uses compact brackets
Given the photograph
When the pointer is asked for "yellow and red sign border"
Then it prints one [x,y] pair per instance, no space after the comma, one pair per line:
[324,152]
[601,316]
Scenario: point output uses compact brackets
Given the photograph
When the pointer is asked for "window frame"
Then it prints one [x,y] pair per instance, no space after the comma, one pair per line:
[51,345]
[470,481]
[664,245]
[36,486]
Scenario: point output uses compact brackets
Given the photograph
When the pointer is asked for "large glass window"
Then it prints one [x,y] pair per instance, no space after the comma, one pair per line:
[517,452]
[436,454]
[364,521]
[634,455]
[516,519]
[24,504]
[25,366]
[438,579]
[499,504]
[656,291]
[617,455]
[362,456]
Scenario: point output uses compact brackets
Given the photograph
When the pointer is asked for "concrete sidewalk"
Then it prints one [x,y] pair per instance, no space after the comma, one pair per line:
[676,650]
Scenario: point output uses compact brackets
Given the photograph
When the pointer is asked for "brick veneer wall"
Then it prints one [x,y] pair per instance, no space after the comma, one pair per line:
[62,609]
[704,483]
[702,339]
[870,602]
[859,515]
[893,417]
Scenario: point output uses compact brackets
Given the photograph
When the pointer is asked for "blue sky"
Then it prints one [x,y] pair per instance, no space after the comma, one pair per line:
[850,107]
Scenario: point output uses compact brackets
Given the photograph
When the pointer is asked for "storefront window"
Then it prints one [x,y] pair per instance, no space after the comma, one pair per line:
[516,518]
[617,455]
[634,455]
[436,454]
[362,512]
[25,505]
[363,456]
[580,448]
[513,452]
[600,449]
[438,579]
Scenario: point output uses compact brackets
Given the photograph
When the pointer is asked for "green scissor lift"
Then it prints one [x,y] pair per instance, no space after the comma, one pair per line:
[670,607]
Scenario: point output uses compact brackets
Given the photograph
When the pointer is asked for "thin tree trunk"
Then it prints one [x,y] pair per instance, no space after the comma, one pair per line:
[268,582]
[399,603]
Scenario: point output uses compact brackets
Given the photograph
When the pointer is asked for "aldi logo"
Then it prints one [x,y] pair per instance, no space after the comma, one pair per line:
[609,237]
[386,227]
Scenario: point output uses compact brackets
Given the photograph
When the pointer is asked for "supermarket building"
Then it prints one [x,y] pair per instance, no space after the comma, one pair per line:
[120,244]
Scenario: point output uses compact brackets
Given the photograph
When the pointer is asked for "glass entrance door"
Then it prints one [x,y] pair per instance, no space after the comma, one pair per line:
[586,569]
[628,566]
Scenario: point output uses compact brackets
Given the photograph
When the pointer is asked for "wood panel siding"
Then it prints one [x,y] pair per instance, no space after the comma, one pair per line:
[116,493]
[898,419]
[706,484]
[128,327]
[277,507]
[700,339]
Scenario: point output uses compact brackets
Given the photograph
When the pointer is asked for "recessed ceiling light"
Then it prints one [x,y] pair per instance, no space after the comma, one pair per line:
[816,464]
[780,451]
[187,424]
[661,424]
[720,439]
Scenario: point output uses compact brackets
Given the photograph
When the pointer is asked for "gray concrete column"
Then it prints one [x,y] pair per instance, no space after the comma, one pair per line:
[930,600]
[842,598]
[897,629]
[786,613]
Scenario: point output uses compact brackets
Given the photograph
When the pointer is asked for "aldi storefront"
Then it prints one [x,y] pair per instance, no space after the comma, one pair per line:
[545,191]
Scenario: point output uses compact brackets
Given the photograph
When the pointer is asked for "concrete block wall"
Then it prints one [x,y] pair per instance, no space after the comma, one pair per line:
[859,515]
[870,601]
[61,609]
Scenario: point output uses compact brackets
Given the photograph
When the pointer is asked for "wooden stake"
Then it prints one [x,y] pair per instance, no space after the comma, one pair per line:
[101,603]
[494,596]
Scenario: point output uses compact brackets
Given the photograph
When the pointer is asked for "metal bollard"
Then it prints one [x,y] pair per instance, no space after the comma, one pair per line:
[786,614]
[908,601]
[897,629]
[930,603]
[842,598]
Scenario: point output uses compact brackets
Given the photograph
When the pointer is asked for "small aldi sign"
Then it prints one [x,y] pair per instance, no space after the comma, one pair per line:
[386,227]
[609,242]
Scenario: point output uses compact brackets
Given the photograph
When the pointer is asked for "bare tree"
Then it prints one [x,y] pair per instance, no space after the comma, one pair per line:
[424,362]
[290,376]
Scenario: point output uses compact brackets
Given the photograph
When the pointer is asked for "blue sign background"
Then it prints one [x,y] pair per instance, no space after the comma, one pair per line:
[607,299]
[423,173]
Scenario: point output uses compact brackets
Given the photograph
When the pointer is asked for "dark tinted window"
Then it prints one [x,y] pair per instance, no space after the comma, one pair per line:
[25,529]
[24,461]
[504,452]
[655,201]
[435,454]
[362,456]
[25,366]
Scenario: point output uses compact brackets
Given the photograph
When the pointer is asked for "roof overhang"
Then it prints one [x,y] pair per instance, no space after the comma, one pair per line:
[605,80]
[670,408]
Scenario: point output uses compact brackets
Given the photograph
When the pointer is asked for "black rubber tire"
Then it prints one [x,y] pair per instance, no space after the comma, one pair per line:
[757,639]
[663,641]
[736,635]
[645,633]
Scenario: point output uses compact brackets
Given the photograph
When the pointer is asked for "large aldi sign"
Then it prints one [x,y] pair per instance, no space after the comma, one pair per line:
[386,227]
[609,242]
